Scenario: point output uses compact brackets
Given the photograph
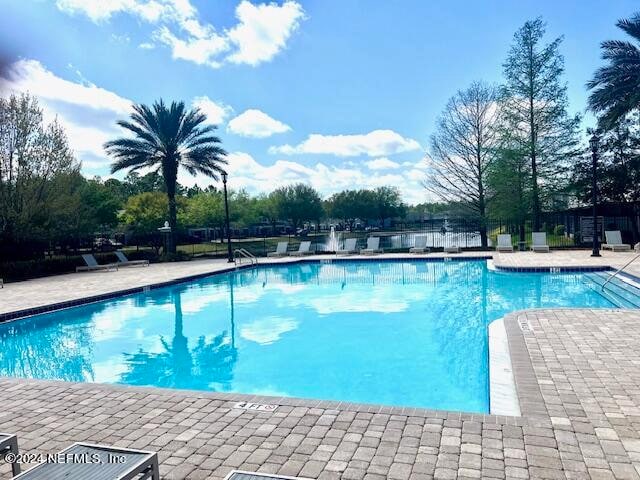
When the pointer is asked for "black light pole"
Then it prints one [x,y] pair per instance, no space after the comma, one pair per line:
[226,214]
[594,189]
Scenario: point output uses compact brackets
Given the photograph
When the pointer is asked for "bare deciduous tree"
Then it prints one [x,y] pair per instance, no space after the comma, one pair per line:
[463,148]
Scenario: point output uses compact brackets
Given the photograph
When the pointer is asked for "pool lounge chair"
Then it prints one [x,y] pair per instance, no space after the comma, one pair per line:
[504,243]
[539,242]
[373,247]
[9,444]
[123,261]
[452,249]
[614,242]
[92,264]
[131,464]
[303,249]
[420,245]
[281,250]
[349,247]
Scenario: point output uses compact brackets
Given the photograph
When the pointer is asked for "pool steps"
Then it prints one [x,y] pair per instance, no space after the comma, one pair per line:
[622,291]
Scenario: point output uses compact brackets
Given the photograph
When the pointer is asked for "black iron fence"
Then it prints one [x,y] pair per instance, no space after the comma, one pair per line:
[561,232]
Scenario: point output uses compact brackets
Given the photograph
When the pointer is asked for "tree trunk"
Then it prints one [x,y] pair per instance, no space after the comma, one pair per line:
[173,222]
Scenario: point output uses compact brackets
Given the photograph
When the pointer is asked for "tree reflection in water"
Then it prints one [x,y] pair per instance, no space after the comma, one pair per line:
[46,348]
[207,365]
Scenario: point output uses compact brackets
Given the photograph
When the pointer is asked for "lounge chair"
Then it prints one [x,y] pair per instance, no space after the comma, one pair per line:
[504,243]
[281,250]
[100,464]
[123,261]
[614,242]
[539,242]
[373,246]
[349,247]
[92,264]
[303,249]
[452,249]
[420,245]
[9,444]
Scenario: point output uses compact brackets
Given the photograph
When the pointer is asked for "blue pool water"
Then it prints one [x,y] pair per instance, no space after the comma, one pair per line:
[409,333]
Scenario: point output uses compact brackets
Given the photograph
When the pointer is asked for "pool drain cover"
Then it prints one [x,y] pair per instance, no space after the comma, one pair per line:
[240,475]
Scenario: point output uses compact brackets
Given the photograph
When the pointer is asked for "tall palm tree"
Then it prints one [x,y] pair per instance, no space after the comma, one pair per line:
[166,138]
[616,86]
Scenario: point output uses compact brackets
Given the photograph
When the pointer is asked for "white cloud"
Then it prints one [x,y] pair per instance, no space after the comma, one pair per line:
[382,163]
[373,144]
[247,173]
[256,124]
[32,76]
[200,50]
[102,10]
[87,112]
[216,112]
[261,32]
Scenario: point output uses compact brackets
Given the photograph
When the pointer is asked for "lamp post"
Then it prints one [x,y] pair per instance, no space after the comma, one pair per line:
[593,142]
[226,214]
[165,230]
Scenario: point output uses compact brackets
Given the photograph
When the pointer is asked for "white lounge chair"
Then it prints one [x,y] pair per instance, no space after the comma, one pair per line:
[92,264]
[504,243]
[373,246]
[303,249]
[281,250]
[452,249]
[420,245]
[123,261]
[539,242]
[349,247]
[614,242]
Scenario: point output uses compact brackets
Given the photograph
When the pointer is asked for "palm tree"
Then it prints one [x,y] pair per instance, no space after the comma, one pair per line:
[616,86]
[166,138]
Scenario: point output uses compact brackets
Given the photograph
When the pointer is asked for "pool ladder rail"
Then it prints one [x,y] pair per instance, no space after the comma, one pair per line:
[620,270]
[240,253]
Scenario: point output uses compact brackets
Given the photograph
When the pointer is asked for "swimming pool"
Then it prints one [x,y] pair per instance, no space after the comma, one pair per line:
[408,333]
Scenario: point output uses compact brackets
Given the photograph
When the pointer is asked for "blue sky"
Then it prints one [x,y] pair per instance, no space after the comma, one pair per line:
[340,94]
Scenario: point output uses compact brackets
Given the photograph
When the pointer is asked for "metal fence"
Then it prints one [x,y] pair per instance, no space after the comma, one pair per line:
[561,231]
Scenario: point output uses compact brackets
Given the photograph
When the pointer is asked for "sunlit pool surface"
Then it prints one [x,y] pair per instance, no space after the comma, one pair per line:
[408,333]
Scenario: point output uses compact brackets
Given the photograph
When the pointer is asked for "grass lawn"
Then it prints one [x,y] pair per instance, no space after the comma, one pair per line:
[553,240]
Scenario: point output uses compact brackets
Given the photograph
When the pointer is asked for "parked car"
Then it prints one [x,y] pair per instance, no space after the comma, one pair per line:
[106,245]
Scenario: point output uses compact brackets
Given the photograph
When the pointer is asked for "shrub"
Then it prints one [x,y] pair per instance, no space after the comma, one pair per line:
[26,269]
[559,230]
[175,257]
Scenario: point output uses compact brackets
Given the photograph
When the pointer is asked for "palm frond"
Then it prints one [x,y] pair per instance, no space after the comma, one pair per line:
[631,26]
[615,87]
[167,137]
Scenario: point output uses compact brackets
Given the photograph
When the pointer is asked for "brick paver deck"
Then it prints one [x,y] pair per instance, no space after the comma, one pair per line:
[582,366]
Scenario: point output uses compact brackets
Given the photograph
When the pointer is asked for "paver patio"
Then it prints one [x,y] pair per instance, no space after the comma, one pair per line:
[577,375]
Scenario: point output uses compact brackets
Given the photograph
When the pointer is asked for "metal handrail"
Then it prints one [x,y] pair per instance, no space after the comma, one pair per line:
[619,270]
[246,254]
